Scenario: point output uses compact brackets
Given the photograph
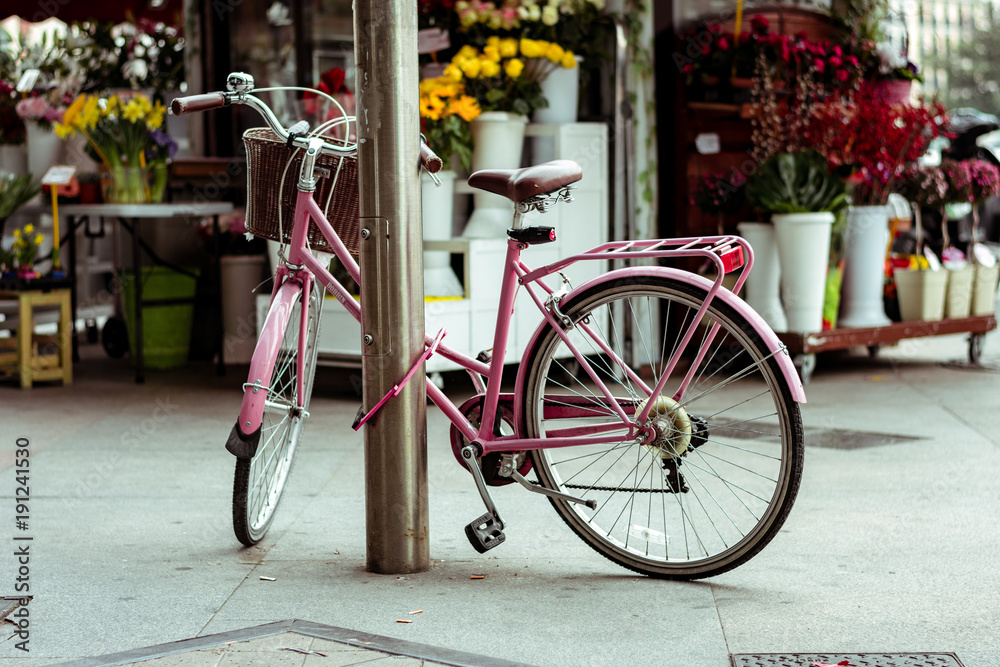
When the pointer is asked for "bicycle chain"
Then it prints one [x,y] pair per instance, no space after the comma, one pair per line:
[609,488]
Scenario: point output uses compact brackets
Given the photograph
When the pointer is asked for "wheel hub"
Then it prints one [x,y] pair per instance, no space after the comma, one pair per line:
[671,427]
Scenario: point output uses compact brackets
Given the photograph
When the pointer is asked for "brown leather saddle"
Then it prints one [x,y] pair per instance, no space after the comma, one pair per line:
[520,184]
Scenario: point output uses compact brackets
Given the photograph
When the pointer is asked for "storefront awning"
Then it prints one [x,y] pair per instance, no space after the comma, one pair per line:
[69,11]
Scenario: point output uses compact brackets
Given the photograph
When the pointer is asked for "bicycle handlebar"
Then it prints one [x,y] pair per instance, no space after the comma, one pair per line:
[182,105]
[208,101]
[428,159]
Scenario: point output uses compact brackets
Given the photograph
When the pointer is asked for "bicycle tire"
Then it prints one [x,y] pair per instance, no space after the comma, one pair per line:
[259,482]
[748,454]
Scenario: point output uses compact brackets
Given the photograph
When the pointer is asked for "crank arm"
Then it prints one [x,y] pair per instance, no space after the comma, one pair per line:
[469,459]
[534,488]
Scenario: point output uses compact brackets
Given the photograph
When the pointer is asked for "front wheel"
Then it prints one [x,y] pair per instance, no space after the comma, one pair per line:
[259,481]
[715,484]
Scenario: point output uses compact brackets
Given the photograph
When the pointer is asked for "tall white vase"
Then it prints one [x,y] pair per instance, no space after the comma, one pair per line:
[804,250]
[12,159]
[43,149]
[437,206]
[240,274]
[499,141]
[561,89]
[865,243]
[763,286]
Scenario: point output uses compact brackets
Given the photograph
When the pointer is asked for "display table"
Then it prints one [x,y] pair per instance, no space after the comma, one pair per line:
[803,347]
[35,357]
[131,217]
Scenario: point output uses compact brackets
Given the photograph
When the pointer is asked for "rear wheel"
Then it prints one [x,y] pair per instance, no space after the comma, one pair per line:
[714,483]
[259,481]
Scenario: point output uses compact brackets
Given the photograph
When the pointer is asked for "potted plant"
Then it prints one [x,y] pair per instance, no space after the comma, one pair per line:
[920,285]
[446,114]
[985,179]
[124,133]
[958,302]
[869,141]
[802,196]
[505,79]
[15,191]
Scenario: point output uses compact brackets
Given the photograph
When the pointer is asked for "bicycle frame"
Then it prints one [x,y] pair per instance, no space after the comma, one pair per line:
[726,253]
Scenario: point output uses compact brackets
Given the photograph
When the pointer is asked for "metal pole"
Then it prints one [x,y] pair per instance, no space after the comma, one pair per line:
[392,322]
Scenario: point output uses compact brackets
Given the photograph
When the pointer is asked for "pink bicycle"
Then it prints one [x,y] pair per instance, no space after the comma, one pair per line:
[653,407]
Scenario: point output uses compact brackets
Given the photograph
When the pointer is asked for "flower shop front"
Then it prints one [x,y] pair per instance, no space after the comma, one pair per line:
[803,133]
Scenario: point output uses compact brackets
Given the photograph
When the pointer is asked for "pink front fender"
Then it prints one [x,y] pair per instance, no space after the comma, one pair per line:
[740,306]
[262,365]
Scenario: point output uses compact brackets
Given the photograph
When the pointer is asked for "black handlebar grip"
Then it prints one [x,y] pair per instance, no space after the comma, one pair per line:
[205,102]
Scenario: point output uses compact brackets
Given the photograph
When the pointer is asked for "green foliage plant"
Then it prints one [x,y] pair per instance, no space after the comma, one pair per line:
[798,182]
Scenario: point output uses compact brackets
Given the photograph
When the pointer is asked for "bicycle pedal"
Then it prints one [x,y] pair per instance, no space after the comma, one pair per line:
[485,533]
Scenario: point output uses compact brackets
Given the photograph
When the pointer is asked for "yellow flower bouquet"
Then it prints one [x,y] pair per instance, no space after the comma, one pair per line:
[24,251]
[507,74]
[445,113]
[121,133]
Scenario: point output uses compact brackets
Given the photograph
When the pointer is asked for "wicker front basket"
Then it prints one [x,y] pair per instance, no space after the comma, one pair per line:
[336,194]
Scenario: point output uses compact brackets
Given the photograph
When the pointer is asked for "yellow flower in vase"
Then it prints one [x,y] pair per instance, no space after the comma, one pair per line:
[124,132]
[465,107]
[555,53]
[514,67]
[508,47]
[445,114]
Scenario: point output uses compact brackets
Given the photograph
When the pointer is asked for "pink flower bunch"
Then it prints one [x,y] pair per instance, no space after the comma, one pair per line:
[959,178]
[505,17]
[38,109]
[985,180]
[923,185]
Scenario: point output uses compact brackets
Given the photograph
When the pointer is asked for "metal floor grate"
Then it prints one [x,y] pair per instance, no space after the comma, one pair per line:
[855,659]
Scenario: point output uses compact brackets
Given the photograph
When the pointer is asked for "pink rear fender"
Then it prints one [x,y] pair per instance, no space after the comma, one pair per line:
[756,321]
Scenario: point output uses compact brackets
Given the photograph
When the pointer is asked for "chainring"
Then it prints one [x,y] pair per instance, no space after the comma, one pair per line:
[489,464]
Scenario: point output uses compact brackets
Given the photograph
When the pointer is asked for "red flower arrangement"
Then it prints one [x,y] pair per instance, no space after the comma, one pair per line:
[332,83]
[870,141]
[714,52]
[720,192]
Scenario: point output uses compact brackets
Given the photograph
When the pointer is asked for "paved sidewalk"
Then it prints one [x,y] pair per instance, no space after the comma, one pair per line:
[891,546]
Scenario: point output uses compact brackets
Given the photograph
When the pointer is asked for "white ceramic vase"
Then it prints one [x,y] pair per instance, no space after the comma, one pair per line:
[803,241]
[498,137]
[240,275]
[43,149]
[763,286]
[921,294]
[561,89]
[865,242]
[437,207]
[13,159]
[984,289]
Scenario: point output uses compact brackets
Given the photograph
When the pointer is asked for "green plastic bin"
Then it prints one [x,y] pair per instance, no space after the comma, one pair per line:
[166,329]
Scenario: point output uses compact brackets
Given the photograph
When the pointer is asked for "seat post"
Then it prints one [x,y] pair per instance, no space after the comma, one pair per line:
[518,216]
